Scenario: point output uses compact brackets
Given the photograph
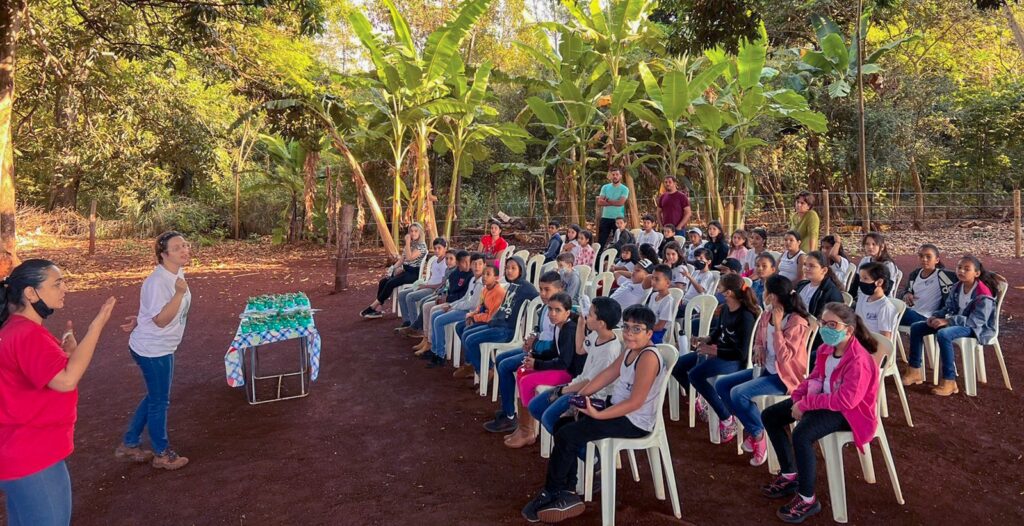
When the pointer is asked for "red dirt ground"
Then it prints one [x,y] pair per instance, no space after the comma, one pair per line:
[381,440]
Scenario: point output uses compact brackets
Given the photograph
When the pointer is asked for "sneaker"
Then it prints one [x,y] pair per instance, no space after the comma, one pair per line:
[402,327]
[132,454]
[530,510]
[373,314]
[566,505]
[781,486]
[760,451]
[366,312]
[748,443]
[798,510]
[702,409]
[727,430]
[435,361]
[169,460]
[502,425]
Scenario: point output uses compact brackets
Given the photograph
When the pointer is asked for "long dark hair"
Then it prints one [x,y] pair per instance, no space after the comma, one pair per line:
[634,253]
[782,287]
[674,247]
[831,240]
[763,234]
[883,250]
[721,232]
[822,260]
[851,319]
[574,228]
[649,252]
[739,288]
[988,278]
[30,273]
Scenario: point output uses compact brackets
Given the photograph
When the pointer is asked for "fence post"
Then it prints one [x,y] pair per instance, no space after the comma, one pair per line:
[344,243]
[1016,224]
[828,212]
[92,227]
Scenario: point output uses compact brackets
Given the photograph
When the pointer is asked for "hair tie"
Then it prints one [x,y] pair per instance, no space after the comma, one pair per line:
[745,286]
[792,292]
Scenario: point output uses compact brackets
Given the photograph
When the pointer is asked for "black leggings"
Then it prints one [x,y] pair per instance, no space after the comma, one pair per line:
[604,231]
[572,437]
[813,425]
[388,285]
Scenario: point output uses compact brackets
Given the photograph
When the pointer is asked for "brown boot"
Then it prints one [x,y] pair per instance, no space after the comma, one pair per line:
[527,438]
[913,376]
[132,454]
[423,344]
[466,371]
[946,388]
[169,461]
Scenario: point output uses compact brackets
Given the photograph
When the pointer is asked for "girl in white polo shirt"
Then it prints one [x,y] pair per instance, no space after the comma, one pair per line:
[155,334]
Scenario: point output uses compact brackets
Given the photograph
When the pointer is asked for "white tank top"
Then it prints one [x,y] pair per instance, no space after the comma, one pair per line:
[646,416]
[787,265]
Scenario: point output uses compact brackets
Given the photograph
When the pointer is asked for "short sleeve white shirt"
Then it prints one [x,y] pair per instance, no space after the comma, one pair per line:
[157,291]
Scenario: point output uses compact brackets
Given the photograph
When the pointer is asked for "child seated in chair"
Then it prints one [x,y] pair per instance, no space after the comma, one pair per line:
[638,376]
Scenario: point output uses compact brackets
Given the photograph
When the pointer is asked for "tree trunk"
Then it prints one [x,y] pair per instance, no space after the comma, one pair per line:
[329,206]
[11,16]
[862,156]
[67,174]
[918,193]
[1018,34]
[453,189]
[544,202]
[309,189]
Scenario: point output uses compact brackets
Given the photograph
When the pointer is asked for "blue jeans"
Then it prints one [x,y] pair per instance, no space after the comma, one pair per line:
[474,336]
[152,410]
[547,412]
[40,499]
[944,337]
[658,336]
[697,370]
[438,322]
[412,301]
[738,390]
[507,363]
[910,317]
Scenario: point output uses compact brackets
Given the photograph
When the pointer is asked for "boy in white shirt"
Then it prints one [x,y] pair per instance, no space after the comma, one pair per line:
[661,302]
[694,240]
[632,293]
[649,236]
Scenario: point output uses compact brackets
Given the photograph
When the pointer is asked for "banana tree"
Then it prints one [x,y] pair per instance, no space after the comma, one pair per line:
[289,160]
[463,134]
[727,112]
[410,94]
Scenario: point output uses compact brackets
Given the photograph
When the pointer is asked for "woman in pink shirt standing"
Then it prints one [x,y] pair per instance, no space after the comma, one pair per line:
[839,395]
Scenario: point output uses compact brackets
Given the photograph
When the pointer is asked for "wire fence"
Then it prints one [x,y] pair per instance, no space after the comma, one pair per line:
[888,212]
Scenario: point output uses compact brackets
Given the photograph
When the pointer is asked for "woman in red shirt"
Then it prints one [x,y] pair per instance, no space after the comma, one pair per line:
[492,245]
[39,378]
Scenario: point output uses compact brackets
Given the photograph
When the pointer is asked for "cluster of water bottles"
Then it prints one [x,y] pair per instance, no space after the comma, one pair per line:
[277,312]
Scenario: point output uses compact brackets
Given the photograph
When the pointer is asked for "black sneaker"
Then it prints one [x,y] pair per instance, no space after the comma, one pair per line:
[363,313]
[798,510]
[530,510]
[435,361]
[780,487]
[502,425]
[374,314]
[566,505]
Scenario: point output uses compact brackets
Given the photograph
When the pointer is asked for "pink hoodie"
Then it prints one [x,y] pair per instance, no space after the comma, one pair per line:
[790,347]
[854,390]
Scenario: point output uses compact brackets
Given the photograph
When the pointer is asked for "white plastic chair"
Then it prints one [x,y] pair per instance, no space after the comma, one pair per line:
[503,258]
[607,259]
[583,272]
[547,267]
[767,400]
[533,266]
[716,278]
[891,371]
[596,246]
[832,449]
[847,298]
[658,453]
[895,283]
[672,328]
[776,255]
[851,274]
[523,255]
[973,352]
[705,304]
[423,277]
[490,350]
[636,232]
[602,282]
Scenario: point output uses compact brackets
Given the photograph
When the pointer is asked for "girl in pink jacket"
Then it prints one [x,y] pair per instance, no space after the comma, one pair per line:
[839,395]
[780,363]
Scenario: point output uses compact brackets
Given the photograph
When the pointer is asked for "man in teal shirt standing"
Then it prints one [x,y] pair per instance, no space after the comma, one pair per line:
[611,200]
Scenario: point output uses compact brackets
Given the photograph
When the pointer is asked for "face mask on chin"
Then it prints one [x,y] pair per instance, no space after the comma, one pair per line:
[42,309]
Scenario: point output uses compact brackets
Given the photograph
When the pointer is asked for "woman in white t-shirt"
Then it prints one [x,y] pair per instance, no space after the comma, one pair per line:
[596,340]
[791,261]
[155,335]
[873,305]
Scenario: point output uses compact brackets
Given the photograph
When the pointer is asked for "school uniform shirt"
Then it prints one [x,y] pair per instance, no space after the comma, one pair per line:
[36,423]
[471,298]
[841,269]
[600,355]
[879,315]
[831,363]
[929,293]
[691,249]
[678,276]
[750,261]
[703,278]
[629,294]
[662,308]
[438,270]
[854,285]
[807,293]
[147,339]
[646,416]
[788,265]
[652,238]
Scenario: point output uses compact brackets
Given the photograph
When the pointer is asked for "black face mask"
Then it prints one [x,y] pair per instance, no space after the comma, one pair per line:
[41,308]
[699,265]
[867,288]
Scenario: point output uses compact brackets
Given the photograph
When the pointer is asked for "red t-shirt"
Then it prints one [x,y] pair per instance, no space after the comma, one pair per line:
[672,207]
[493,247]
[36,423]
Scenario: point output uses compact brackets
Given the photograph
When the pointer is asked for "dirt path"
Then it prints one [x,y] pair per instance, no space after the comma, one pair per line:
[381,440]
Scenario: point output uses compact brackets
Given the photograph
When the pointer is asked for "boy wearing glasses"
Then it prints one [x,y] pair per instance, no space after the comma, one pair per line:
[638,375]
